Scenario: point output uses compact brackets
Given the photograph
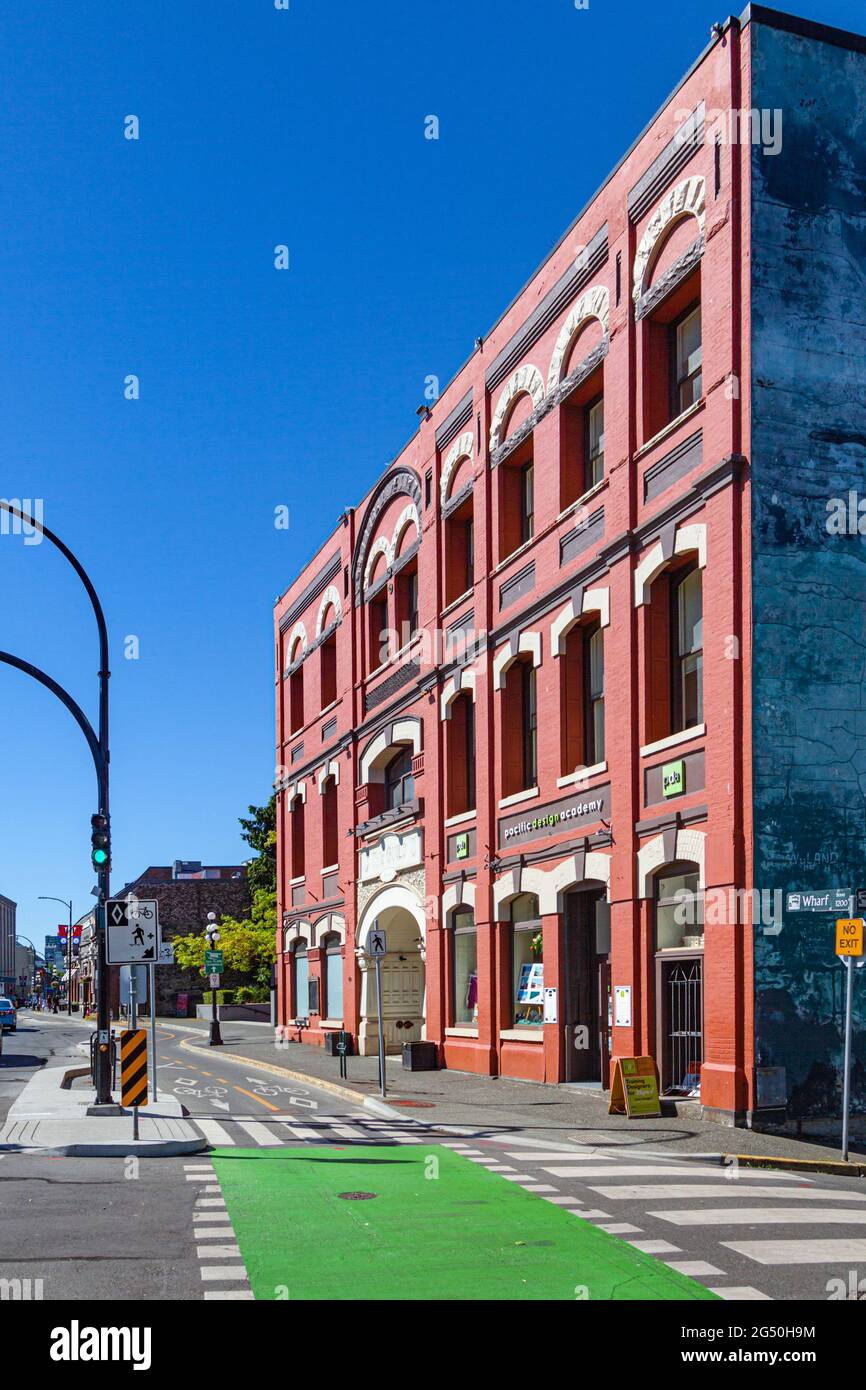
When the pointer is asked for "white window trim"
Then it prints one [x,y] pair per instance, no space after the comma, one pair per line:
[332,869]
[535,1034]
[672,740]
[462,818]
[461,1032]
[516,797]
[296,882]
[582,774]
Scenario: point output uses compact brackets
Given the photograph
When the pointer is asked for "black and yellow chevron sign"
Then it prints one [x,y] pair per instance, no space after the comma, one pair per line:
[133,1067]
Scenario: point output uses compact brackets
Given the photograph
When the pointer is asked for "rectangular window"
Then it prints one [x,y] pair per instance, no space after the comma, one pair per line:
[334,983]
[469,550]
[527,975]
[527,503]
[412,601]
[530,726]
[470,755]
[465,976]
[378,630]
[595,442]
[687,667]
[686,374]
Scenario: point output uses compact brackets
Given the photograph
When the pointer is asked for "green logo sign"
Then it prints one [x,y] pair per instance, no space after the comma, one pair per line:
[463,846]
[213,962]
[674,778]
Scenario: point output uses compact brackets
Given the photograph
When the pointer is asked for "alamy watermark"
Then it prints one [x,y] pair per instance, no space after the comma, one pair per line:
[29,525]
[755,126]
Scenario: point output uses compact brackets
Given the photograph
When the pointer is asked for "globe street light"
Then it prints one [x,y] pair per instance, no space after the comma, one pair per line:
[212,935]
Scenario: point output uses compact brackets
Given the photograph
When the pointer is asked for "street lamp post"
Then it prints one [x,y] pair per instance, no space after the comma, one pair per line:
[98,745]
[212,933]
[46,898]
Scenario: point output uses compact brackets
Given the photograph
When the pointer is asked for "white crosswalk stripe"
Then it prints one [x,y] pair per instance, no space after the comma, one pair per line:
[649,1192]
[765,1216]
[277,1130]
[798,1252]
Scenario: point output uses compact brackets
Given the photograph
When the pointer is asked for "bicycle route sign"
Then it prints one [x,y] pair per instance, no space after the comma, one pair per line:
[131,931]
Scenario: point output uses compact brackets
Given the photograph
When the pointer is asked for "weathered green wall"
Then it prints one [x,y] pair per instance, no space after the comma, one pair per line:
[808,445]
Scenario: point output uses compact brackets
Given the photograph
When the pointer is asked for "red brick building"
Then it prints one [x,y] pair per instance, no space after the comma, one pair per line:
[514,713]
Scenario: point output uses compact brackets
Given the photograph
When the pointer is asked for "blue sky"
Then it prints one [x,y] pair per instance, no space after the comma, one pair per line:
[258,388]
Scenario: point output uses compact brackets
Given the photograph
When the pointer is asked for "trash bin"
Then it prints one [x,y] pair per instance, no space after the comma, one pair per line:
[419,1056]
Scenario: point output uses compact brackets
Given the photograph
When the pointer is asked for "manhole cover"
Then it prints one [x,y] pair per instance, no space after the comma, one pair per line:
[357,1196]
[414,1104]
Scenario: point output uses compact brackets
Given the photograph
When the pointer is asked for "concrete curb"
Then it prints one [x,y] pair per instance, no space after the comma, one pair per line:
[832,1167]
[143,1148]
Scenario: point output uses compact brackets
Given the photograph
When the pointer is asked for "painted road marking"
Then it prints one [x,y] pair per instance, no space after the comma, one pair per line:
[299,1131]
[258,1131]
[210,1216]
[695,1269]
[745,1293]
[589,1215]
[200,1177]
[211,1232]
[565,1201]
[620,1228]
[797,1252]
[261,1100]
[557,1155]
[655,1247]
[681,1170]
[650,1192]
[214,1133]
[227,1272]
[224,1252]
[228,1293]
[539,1187]
[211,1202]
[765,1216]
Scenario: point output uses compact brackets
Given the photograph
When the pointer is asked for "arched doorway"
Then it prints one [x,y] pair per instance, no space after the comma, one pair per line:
[586,981]
[398,913]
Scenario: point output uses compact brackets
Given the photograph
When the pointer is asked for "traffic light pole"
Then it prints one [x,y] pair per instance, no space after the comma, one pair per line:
[99,751]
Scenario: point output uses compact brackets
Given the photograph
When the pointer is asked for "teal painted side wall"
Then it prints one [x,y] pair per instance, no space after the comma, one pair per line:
[808,445]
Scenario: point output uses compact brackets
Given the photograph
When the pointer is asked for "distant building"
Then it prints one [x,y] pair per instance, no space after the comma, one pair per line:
[25,969]
[8,910]
[186,892]
[54,952]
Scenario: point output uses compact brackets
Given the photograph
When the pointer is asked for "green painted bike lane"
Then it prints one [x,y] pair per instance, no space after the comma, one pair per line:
[437,1227]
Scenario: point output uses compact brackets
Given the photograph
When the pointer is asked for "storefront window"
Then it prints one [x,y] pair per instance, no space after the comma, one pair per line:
[333,977]
[679,910]
[465,1000]
[301,973]
[527,968]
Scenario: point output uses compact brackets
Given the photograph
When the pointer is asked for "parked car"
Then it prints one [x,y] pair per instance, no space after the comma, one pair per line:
[8,1016]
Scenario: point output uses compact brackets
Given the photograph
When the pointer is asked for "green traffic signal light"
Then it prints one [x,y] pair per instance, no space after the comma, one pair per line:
[100,856]
[100,844]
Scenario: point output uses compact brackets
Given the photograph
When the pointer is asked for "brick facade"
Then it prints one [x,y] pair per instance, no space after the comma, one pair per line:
[580,842]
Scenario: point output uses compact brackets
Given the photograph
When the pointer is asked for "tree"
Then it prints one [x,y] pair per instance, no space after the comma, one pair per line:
[260,832]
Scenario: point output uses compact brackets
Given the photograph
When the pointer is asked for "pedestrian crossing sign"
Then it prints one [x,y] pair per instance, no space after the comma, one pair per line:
[634,1088]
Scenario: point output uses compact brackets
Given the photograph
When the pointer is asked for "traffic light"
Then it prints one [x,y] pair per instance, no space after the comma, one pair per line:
[100,843]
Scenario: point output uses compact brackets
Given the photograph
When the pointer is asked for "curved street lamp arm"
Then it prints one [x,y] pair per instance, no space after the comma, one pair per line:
[74,709]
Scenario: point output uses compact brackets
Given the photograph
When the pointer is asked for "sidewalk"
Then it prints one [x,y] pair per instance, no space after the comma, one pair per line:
[51,1118]
[547,1113]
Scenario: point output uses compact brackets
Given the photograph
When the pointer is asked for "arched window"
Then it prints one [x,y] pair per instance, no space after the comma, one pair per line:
[407,603]
[399,782]
[582,697]
[298,838]
[300,979]
[330,832]
[671,341]
[519,728]
[464,968]
[296,699]
[461,755]
[333,1005]
[674,646]
[527,967]
[687,633]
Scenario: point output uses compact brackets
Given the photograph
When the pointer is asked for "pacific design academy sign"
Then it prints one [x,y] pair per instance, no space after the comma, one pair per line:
[556,817]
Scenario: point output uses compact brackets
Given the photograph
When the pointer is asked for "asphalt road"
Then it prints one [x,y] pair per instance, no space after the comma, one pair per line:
[93,1229]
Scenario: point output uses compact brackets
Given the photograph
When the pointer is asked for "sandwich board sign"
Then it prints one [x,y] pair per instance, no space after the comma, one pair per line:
[131,931]
[634,1087]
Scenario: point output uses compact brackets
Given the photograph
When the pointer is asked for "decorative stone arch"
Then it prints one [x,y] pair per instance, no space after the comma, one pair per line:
[692,537]
[527,641]
[521,879]
[580,869]
[462,680]
[331,925]
[461,449]
[687,199]
[293,790]
[690,846]
[407,517]
[330,770]
[460,894]
[296,932]
[330,598]
[298,634]
[582,601]
[375,756]
[382,546]
[594,303]
[527,380]
[399,480]
[406,898]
